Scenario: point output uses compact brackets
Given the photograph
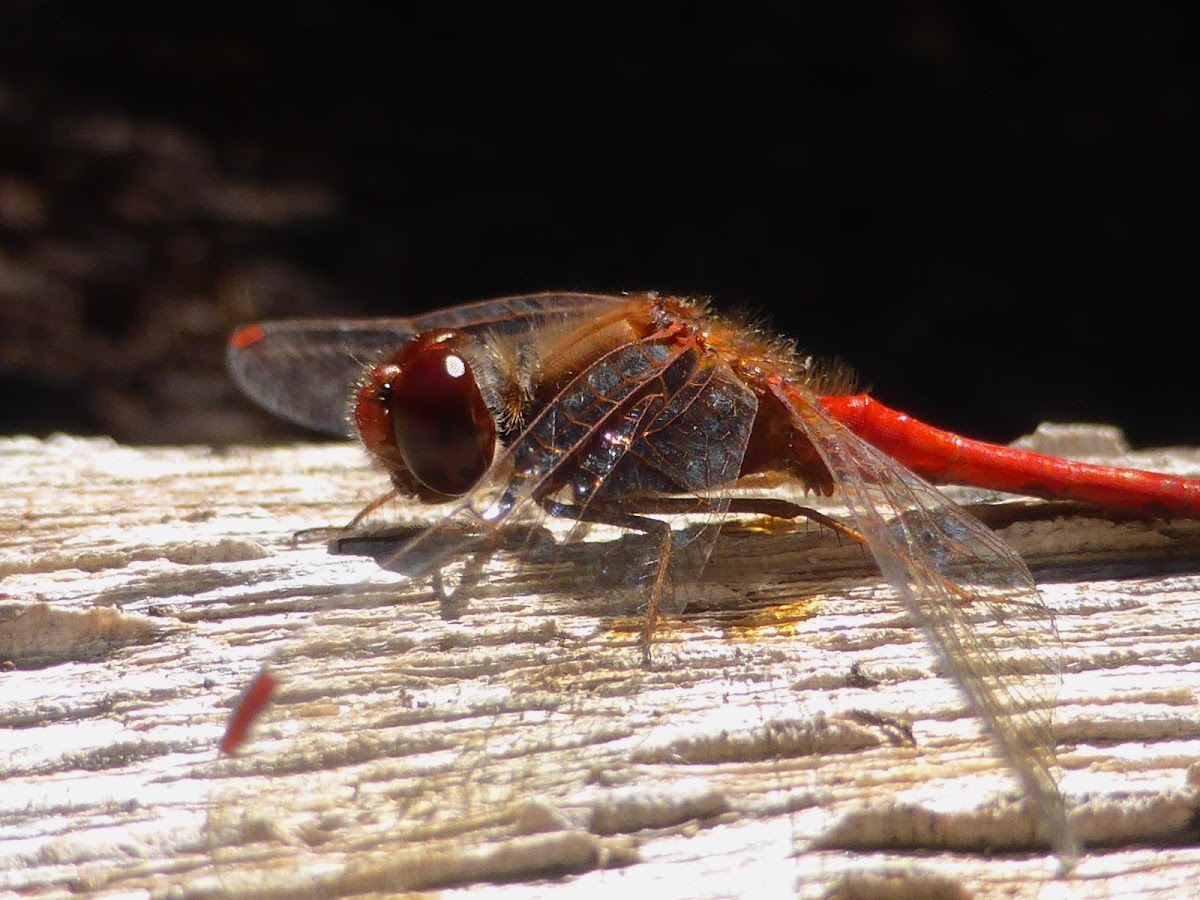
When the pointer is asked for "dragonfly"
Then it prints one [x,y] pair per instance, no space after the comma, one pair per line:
[636,410]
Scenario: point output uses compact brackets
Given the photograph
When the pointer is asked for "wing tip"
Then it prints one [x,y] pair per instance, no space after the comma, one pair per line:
[246,336]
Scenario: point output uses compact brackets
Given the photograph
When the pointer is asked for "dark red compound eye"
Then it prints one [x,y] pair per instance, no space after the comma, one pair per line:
[434,420]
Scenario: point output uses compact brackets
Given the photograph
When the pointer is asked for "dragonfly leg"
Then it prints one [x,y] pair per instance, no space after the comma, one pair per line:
[329,532]
[370,508]
[661,533]
[749,506]
[785,509]
[658,531]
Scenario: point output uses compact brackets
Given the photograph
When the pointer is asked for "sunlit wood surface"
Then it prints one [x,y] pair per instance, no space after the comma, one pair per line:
[790,737]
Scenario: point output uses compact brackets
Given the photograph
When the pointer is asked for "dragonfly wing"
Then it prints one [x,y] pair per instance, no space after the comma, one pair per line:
[306,370]
[575,443]
[685,459]
[652,418]
[696,441]
[969,591]
[512,315]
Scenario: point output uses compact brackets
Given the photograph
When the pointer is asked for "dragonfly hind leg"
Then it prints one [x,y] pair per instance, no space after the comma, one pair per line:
[658,531]
[751,506]
[785,509]
[661,532]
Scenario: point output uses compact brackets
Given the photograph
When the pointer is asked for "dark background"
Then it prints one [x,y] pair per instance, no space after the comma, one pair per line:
[992,214]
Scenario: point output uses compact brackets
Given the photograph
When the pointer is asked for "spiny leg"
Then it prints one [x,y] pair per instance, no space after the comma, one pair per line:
[327,532]
[600,514]
[370,508]
[749,506]
[783,509]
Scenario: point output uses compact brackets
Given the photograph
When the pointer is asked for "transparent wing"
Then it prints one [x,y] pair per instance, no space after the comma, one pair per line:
[651,418]
[969,591]
[685,460]
[305,370]
[697,441]
[578,439]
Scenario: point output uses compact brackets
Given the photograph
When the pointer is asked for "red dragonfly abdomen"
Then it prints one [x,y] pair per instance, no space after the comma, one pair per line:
[946,458]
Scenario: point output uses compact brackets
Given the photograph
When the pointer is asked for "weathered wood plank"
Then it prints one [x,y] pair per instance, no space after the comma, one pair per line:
[790,736]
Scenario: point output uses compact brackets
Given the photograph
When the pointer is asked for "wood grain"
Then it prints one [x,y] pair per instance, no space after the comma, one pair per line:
[791,735]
